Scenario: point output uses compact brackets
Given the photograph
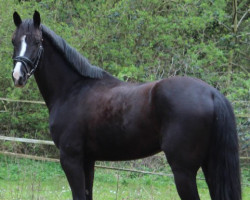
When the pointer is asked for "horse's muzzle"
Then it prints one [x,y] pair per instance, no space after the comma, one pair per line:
[20,82]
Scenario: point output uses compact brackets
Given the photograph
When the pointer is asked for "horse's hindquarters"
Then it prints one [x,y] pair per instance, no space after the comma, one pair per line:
[184,107]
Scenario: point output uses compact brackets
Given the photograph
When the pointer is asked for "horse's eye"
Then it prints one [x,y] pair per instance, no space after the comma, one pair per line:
[14,43]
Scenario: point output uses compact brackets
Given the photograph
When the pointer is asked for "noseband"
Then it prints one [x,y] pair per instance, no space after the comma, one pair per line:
[27,62]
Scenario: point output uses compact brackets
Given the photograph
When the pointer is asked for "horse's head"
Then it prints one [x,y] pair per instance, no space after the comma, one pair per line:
[27,42]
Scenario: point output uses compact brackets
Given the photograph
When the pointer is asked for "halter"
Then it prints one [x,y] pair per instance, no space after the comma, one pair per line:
[27,62]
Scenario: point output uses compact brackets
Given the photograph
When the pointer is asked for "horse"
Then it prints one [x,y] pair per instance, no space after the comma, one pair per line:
[94,116]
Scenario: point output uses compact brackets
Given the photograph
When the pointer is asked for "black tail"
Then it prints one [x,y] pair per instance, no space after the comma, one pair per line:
[222,169]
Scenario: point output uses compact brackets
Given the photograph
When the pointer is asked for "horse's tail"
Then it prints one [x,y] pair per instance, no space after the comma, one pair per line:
[223,169]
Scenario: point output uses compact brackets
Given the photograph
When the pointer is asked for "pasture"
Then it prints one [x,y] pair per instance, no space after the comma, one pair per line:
[39,180]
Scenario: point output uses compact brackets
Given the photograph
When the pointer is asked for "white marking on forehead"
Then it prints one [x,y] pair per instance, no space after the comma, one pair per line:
[23,46]
[17,70]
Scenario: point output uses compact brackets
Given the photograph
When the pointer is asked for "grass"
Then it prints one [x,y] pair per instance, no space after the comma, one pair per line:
[37,180]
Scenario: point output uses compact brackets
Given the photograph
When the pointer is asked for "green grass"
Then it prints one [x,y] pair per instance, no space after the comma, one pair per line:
[37,180]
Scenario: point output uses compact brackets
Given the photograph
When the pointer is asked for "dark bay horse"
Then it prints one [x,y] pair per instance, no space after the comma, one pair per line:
[95,116]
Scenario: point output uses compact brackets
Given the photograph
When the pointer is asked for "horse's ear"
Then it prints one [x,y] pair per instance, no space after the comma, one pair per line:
[17,19]
[36,19]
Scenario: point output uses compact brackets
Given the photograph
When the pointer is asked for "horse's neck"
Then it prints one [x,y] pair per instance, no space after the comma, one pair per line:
[54,77]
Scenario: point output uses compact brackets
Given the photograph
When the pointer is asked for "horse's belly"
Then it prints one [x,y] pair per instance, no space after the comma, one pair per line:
[124,146]
[124,155]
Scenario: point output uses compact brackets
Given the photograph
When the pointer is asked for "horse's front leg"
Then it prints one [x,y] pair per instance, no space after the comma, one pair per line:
[72,164]
[89,166]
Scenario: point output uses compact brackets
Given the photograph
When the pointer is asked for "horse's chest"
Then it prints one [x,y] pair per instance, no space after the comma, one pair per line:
[61,123]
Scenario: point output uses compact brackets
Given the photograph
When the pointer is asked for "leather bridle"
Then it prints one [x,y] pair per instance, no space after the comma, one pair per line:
[27,62]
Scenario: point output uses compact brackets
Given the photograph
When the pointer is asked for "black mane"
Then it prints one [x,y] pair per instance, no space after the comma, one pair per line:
[77,61]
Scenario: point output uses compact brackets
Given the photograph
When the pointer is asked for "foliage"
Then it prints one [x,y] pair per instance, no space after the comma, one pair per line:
[138,41]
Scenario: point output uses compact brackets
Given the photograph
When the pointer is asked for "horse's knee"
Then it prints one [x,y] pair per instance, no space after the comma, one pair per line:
[71,157]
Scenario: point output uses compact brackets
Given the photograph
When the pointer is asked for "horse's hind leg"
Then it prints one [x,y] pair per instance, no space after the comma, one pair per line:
[185,180]
[185,151]
[208,180]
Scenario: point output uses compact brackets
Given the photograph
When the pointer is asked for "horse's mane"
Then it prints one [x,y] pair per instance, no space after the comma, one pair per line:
[76,60]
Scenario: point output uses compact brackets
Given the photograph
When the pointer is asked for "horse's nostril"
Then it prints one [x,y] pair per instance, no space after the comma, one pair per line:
[20,81]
